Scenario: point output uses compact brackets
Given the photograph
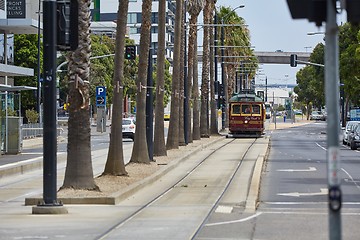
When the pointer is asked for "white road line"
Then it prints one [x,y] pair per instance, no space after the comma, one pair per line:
[234,221]
[352,179]
[310,169]
[323,191]
[321,146]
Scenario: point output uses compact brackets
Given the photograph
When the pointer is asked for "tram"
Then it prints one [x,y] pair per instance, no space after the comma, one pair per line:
[247,115]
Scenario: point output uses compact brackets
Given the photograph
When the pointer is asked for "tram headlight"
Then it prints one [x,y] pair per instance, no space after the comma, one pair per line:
[246,121]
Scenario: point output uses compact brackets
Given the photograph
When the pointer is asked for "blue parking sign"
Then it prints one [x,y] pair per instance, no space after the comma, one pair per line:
[100,96]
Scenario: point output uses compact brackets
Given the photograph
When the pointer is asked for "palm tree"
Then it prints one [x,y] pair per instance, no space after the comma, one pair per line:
[194,8]
[213,107]
[159,135]
[115,159]
[205,79]
[173,133]
[140,148]
[79,172]
[182,80]
[235,36]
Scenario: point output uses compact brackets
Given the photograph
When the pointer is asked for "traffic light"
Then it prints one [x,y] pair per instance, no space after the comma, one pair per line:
[221,90]
[130,52]
[313,10]
[67,25]
[353,10]
[316,10]
[293,60]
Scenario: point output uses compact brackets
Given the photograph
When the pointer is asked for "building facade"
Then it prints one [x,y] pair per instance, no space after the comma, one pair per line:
[105,11]
[16,17]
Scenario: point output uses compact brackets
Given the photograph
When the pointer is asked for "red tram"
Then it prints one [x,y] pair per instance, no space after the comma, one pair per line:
[247,115]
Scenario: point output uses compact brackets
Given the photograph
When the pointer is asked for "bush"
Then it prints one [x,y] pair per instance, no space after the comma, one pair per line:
[32,116]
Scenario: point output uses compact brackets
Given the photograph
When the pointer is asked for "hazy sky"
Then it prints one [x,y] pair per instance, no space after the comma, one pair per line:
[272,28]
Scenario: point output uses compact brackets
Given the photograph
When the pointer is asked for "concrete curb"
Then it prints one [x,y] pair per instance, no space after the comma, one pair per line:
[253,195]
[131,189]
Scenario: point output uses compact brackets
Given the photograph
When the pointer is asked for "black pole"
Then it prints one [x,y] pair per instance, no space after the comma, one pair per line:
[342,99]
[223,79]
[266,89]
[38,97]
[216,62]
[186,90]
[50,143]
[149,105]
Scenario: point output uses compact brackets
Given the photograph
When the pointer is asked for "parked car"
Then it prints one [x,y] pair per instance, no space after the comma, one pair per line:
[317,115]
[347,130]
[167,116]
[354,137]
[128,128]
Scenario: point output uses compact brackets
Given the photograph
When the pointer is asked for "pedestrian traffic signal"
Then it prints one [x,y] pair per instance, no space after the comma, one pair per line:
[293,60]
[130,52]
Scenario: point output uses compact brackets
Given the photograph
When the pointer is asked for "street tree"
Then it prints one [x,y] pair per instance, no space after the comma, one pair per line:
[213,104]
[115,159]
[140,147]
[205,76]
[173,132]
[194,7]
[182,79]
[26,55]
[349,39]
[159,135]
[305,91]
[79,171]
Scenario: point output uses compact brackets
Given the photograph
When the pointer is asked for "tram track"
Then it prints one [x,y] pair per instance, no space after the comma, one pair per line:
[188,182]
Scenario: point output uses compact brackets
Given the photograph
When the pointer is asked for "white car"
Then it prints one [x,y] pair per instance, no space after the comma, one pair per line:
[128,128]
[348,129]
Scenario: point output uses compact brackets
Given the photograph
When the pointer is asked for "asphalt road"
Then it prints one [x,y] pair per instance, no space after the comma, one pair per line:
[293,192]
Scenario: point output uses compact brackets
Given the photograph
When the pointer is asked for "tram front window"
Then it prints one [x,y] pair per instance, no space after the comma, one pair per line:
[256,109]
[236,109]
[245,109]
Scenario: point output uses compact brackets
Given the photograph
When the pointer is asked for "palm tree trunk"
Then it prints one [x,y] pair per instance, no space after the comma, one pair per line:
[159,135]
[115,159]
[204,116]
[173,133]
[140,148]
[79,172]
[196,107]
[182,81]
[191,53]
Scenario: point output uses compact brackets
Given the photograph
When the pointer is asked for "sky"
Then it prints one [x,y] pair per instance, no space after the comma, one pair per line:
[272,28]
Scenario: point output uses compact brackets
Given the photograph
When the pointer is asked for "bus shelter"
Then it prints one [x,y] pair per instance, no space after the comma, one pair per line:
[10,118]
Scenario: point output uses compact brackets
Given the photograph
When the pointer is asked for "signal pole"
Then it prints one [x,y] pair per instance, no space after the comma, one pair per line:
[49,205]
[332,85]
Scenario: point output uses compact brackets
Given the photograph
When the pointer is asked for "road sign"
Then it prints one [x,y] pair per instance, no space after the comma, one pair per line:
[100,96]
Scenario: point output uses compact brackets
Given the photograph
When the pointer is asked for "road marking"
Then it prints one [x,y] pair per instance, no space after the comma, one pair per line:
[352,179]
[310,169]
[224,209]
[234,221]
[320,146]
[323,191]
